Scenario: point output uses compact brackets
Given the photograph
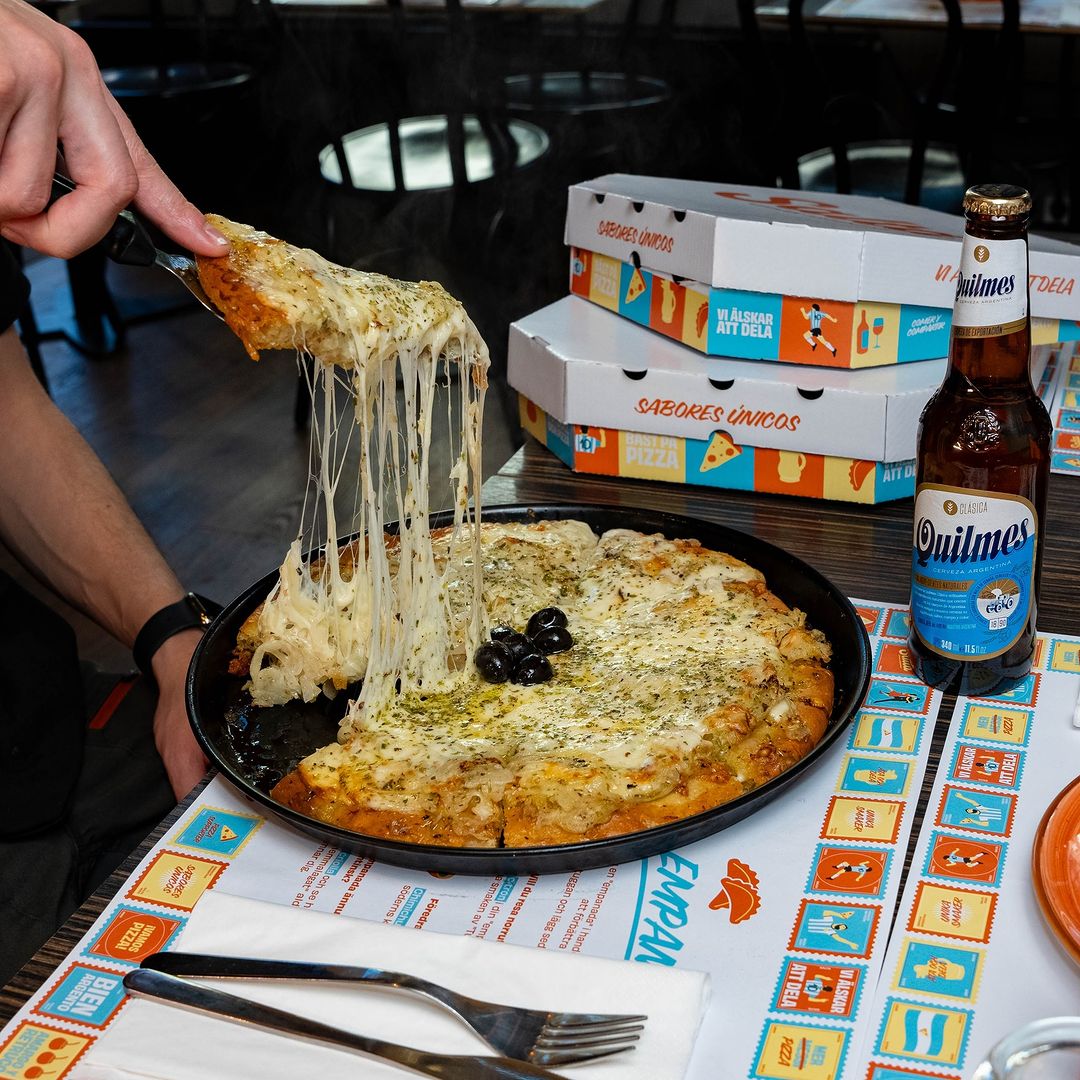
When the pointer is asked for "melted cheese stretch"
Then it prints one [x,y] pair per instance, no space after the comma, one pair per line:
[674,656]
[389,619]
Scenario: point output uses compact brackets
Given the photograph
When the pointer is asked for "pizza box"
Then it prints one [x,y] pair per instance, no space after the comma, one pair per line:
[797,243]
[587,366]
[1063,401]
[716,462]
[720,463]
[771,326]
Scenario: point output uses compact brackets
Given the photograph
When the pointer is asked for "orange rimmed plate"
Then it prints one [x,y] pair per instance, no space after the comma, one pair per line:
[1055,866]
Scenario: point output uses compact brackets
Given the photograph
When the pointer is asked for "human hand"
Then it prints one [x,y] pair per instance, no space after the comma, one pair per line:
[182,756]
[51,92]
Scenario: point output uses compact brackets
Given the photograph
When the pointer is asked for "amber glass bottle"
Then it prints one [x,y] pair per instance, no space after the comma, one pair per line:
[983,463]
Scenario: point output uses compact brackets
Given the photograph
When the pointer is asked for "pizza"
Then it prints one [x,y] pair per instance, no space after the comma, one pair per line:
[688,684]
[674,682]
[274,295]
[380,349]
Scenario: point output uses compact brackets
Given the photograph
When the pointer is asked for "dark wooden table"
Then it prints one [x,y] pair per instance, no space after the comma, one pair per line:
[863,549]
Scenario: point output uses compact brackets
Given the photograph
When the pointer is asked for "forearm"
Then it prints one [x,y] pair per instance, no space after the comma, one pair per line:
[64,517]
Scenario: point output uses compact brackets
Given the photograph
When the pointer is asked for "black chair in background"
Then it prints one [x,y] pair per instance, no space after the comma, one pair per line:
[877,136]
[763,102]
[603,106]
[423,185]
[166,70]
[1025,138]
[187,74]
[431,178]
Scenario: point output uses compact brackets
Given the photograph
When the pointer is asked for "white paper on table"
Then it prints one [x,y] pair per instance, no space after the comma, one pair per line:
[684,909]
[157,1040]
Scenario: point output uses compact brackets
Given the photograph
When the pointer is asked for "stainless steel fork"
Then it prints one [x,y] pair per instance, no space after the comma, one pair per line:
[129,243]
[158,986]
[543,1038]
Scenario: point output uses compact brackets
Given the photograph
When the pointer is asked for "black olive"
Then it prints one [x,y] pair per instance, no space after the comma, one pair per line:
[501,632]
[544,619]
[552,640]
[533,669]
[519,645]
[494,662]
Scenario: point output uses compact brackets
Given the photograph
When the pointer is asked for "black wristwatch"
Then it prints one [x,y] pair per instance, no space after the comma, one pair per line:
[190,613]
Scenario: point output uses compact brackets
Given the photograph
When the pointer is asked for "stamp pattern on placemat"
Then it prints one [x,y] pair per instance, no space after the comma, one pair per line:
[879,730]
[133,933]
[989,765]
[827,948]
[976,860]
[835,942]
[34,1050]
[940,966]
[847,870]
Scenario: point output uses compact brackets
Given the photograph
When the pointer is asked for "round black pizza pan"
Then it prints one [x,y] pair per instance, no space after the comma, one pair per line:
[255,747]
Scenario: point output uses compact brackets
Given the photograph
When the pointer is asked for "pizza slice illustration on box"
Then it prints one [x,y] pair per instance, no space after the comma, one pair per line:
[636,286]
[719,452]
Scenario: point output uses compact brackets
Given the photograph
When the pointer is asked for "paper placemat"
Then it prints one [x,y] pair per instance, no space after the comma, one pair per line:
[972,958]
[788,910]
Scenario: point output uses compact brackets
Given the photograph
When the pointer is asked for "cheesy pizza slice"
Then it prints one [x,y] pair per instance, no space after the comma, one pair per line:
[274,295]
[392,623]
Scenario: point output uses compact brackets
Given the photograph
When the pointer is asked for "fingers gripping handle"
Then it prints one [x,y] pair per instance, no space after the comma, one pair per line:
[126,242]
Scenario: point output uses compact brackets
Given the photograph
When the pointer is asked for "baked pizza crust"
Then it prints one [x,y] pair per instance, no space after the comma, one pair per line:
[274,295]
[427,824]
[690,684]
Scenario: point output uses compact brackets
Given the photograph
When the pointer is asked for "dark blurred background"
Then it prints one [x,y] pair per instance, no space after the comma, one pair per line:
[437,141]
[239,98]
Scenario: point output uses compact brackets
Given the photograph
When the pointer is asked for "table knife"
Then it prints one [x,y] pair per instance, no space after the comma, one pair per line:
[157,986]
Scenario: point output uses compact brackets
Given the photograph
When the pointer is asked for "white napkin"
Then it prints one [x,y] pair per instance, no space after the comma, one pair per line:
[149,1039]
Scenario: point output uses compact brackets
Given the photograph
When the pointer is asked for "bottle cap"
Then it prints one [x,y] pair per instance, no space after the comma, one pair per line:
[997,200]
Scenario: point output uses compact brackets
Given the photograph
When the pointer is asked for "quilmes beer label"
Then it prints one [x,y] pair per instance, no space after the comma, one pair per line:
[991,288]
[972,570]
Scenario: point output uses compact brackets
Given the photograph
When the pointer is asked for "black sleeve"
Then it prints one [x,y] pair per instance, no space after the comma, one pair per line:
[14,288]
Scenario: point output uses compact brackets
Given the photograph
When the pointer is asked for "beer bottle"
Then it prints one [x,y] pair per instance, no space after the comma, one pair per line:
[983,463]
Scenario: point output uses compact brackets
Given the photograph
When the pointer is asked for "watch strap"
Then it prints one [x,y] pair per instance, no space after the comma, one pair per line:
[191,612]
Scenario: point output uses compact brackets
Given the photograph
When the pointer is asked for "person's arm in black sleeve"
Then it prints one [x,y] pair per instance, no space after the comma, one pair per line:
[66,521]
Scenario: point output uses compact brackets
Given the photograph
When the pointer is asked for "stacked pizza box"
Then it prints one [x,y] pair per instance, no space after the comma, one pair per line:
[754,338]
[1063,400]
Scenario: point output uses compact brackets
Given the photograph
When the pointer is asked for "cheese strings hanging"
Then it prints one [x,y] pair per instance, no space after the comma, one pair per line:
[388,610]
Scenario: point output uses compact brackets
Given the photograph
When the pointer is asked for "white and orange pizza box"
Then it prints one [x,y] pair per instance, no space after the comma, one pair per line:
[716,462]
[845,248]
[587,366]
[771,326]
